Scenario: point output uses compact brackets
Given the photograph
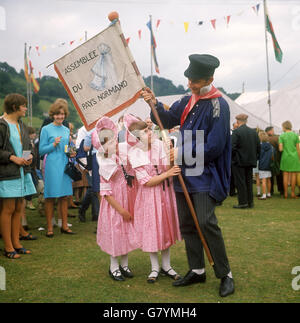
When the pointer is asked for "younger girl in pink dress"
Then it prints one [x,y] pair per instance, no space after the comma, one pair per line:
[155,211]
[115,233]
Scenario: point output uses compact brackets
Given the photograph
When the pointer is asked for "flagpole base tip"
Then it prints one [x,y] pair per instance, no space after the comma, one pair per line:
[113,15]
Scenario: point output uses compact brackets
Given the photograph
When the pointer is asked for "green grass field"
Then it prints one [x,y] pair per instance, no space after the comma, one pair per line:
[263,246]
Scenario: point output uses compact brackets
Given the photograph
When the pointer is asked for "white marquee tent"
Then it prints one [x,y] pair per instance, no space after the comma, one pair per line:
[285,105]
[142,110]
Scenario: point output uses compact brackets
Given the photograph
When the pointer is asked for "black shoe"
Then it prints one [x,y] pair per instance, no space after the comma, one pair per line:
[116,275]
[81,216]
[126,272]
[251,205]
[241,206]
[190,278]
[226,286]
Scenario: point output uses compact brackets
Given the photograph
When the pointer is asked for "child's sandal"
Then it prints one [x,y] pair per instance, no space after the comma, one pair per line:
[11,254]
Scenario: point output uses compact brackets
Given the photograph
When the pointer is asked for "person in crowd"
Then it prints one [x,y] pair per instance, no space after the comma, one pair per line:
[15,178]
[204,110]
[274,141]
[91,195]
[54,140]
[245,153]
[155,211]
[232,190]
[290,158]
[121,128]
[115,234]
[264,169]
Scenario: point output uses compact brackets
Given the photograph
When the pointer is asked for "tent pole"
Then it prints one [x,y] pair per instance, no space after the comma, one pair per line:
[267,61]
[151,58]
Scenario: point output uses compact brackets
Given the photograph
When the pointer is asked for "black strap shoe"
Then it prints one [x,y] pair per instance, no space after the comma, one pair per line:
[226,286]
[190,278]
[116,275]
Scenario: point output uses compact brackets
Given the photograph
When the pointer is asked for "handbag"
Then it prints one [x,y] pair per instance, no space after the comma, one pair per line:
[72,171]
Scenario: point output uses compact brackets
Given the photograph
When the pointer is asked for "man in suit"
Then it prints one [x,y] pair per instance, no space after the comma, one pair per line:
[245,153]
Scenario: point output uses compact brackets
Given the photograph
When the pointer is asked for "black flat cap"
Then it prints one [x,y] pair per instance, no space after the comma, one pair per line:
[201,66]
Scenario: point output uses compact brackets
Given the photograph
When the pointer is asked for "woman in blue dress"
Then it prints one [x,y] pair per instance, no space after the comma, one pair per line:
[15,177]
[54,142]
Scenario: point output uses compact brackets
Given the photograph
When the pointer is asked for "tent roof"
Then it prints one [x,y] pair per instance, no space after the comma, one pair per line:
[141,109]
[285,104]
[248,97]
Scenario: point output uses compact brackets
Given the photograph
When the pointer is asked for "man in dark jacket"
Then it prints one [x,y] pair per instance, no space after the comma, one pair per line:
[245,153]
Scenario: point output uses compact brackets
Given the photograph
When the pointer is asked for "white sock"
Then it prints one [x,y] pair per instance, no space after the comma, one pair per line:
[166,262]
[114,264]
[59,222]
[154,264]
[229,274]
[264,196]
[269,194]
[258,189]
[124,261]
[199,271]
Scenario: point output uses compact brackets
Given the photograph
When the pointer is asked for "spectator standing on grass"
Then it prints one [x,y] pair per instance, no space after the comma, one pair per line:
[274,141]
[54,139]
[15,179]
[245,153]
[290,159]
[264,169]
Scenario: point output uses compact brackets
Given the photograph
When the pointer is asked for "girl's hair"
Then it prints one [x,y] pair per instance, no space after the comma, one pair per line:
[57,106]
[13,101]
[287,125]
[263,136]
[105,135]
[135,127]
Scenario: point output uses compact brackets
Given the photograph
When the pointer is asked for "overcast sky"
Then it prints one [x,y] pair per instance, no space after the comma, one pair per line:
[240,46]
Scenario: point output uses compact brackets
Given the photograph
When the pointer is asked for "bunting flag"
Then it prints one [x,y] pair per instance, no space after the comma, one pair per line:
[100,76]
[26,67]
[186,26]
[153,46]
[157,23]
[227,20]
[270,29]
[140,34]
[213,22]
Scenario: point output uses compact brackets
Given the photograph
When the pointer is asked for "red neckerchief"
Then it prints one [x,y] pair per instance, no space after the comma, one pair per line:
[213,93]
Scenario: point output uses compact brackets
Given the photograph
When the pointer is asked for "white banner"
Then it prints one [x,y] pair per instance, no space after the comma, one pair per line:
[100,76]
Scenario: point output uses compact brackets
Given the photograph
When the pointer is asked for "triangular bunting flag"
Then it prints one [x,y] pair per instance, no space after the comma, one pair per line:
[213,22]
[186,26]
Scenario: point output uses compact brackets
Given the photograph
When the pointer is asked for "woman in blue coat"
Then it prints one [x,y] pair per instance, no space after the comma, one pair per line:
[54,140]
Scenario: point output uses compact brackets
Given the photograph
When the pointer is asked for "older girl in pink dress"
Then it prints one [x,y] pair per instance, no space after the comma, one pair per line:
[115,233]
[155,211]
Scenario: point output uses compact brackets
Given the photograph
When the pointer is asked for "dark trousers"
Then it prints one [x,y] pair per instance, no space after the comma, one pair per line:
[204,207]
[243,183]
[279,181]
[90,197]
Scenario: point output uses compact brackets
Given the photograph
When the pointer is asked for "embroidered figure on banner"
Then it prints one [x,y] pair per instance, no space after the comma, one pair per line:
[104,71]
